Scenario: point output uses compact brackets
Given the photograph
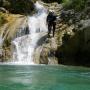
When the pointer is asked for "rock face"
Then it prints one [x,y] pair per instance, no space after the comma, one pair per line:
[47,55]
[9,31]
[48,48]
[71,39]
[3,10]
[75,47]
[49,51]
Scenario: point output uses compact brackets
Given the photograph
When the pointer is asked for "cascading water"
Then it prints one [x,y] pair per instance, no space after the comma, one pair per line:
[25,45]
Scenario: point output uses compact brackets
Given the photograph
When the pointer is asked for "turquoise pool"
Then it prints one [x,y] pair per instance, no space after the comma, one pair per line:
[44,77]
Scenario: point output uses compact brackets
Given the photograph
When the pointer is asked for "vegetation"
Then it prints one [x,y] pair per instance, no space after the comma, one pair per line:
[22,6]
[17,6]
[78,5]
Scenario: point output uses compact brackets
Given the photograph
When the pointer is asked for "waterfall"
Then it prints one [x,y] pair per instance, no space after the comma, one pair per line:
[25,45]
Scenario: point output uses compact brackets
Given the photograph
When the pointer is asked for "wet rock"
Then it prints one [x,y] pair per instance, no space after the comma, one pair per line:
[3,10]
[47,55]
[44,56]
[6,54]
[86,29]
[36,56]
[51,58]
[85,23]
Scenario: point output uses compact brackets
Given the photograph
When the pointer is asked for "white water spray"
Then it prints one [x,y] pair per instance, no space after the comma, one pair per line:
[26,44]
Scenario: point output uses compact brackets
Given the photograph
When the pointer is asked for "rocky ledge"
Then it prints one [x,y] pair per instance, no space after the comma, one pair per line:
[71,44]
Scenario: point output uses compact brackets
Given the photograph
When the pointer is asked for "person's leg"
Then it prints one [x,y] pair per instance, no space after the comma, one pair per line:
[49,29]
[54,27]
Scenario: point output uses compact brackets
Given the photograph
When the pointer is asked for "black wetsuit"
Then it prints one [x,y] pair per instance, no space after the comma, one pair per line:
[51,20]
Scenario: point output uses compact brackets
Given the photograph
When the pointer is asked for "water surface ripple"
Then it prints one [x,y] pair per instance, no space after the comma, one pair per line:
[44,77]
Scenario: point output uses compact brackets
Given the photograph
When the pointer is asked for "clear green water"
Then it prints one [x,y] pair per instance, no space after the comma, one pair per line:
[44,78]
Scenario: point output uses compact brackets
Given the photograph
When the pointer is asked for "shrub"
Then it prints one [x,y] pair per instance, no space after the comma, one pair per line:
[77,5]
[17,6]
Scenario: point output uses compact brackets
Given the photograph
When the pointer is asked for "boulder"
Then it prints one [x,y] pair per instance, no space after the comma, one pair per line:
[3,10]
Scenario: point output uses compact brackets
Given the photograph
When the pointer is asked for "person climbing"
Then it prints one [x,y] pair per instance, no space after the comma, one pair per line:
[51,21]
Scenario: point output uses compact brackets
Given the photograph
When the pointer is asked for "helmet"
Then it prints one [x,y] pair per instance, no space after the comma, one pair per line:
[51,11]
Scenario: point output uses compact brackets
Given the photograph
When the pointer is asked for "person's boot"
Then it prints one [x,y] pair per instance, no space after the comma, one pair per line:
[53,34]
[48,35]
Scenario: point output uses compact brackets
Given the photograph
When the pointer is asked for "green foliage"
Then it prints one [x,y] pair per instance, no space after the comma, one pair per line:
[65,1]
[17,6]
[77,5]
[22,6]
[6,4]
[1,3]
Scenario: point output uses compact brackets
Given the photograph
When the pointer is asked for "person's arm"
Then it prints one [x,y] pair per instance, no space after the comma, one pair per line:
[47,19]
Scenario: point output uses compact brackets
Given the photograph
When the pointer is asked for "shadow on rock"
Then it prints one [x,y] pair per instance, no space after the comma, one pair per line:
[41,40]
[74,49]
